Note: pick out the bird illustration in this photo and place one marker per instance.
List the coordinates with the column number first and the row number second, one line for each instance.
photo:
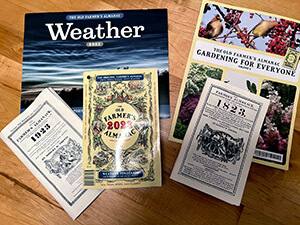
column 214, row 27
column 262, row 29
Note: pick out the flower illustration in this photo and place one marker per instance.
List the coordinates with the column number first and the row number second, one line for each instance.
column 276, row 128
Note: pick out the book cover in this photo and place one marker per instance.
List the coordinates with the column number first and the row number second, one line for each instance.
column 121, row 138
column 47, row 138
column 59, row 47
column 217, row 150
column 252, row 50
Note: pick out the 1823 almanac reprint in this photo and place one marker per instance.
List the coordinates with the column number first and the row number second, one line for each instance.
column 218, row 147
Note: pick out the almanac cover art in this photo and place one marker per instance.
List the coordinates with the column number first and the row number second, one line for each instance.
column 59, row 47
column 121, row 141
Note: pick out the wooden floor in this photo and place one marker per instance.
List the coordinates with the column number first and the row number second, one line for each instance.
column 271, row 196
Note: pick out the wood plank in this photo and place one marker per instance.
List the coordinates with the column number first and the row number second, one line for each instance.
column 10, row 84
column 254, row 217
column 274, row 192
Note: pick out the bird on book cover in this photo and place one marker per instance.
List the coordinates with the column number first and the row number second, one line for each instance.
column 214, row 27
column 262, row 29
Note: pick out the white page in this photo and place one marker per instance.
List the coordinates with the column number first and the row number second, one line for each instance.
column 47, row 138
column 218, row 147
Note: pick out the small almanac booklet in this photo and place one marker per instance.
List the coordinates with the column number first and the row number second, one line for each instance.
column 47, row 138
column 218, row 147
column 256, row 51
column 121, row 138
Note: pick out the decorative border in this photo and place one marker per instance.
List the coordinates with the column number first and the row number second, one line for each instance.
column 180, row 171
column 70, row 203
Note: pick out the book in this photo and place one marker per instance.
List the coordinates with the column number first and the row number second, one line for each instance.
column 219, row 144
column 252, row 50
column 59, row 47
column 121, row 137
column 47, row 138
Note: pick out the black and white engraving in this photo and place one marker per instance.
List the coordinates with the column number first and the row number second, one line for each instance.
column 64, row 159
column 219, row 145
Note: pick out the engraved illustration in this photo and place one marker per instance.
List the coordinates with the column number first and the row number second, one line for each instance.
column 64, row 159
column 101, row 159
column 136, row 86
column 101, row 88
column 219, row 145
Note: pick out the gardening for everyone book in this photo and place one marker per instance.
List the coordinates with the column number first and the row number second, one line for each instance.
column 252, row 50
column 121, row 137
column 59, row 47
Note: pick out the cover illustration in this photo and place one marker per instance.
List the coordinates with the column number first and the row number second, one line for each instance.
column 59, row 47
column 252, row 50
column 121, row 143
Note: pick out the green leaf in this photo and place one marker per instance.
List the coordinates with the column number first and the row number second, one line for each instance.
column 249, row 85
column 253, row 88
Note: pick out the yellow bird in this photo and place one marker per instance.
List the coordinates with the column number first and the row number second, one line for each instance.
column 262, row 29
column 214, row 27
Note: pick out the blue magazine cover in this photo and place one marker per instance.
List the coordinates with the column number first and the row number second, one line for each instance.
column 59, row 47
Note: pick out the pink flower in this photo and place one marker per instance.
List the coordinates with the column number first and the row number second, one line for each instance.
column 274, row 135
column 286, row 119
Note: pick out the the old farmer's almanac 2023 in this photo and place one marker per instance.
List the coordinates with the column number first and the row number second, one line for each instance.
column 121, row 141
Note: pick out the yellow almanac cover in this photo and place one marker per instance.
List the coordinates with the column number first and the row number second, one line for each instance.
column 121, row 139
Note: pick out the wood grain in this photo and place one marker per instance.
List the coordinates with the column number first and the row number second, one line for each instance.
column 271, row 196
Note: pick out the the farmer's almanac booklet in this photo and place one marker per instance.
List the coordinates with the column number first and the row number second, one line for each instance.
column 252, row 50
column 121, row 139
column 59, row 47
column 216, row 153
column 47, row 138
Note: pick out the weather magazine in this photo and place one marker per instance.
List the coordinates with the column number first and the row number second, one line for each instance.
column 59, row 47
column 252, row 50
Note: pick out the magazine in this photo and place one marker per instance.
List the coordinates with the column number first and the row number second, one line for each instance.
column 59, row 47
column 121, row 138
column 218, row 147
column 47, row 138
column 252, row 50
